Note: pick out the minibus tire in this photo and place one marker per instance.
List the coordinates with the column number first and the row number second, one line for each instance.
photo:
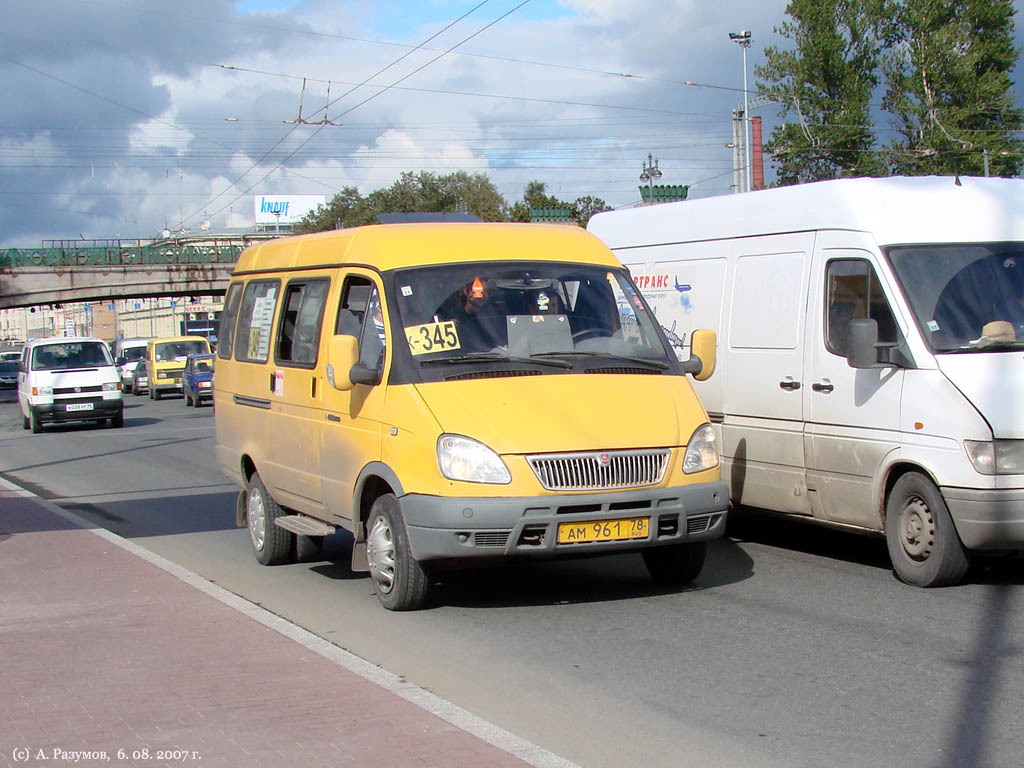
column 308, row 548
column 25, row 422
column 37, row 425
column 117, row 421
column 675, row 564
column 923, row 543
column 398, row 578
column 260, row 513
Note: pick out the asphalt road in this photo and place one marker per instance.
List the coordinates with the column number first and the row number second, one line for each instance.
column 795, row 647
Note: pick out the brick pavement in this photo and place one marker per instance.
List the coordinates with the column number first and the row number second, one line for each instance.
column 102, row 651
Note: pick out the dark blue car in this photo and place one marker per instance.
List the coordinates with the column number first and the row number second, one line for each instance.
column 197, row 380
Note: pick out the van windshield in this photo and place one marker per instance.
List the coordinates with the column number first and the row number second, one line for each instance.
column 131, row 354
column 965, row 297
column 179, row 350
column 65, row 356
column 551, row 314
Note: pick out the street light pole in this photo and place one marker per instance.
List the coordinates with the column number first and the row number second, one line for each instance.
column 649, row 173
column 743, row 38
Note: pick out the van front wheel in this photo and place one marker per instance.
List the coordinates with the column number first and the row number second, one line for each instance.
column 399, row 579
column 676, row 564
column 271, row 545
column 923, row 544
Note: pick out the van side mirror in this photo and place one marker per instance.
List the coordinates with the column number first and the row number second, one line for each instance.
column 118, row 361
column 865, row 351
column 342, row 355
column 702, row 354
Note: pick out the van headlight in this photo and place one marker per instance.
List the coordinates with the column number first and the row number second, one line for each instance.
column 463, row 459
column 701, row 451
column 42, row 391
column 110, row 386
column 996, row 457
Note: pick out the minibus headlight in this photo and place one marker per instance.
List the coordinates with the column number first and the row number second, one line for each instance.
column 463, row 459
column 43, row 391
column 996, row 457
column 701, row 451
column 110, row 386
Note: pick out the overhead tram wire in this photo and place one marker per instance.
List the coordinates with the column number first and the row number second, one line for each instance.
column 320, row 127
column 131, row 109
column 368, row 99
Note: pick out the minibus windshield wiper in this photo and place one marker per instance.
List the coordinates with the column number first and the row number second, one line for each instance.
column 490, row 357
column 642, row 361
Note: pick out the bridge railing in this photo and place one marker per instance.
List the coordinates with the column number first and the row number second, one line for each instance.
column 118, row 255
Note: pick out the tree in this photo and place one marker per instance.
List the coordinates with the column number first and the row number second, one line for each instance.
column 949, row 89
column 422, row 192
column 534, row 196
column 826, row 83
column 587, row 206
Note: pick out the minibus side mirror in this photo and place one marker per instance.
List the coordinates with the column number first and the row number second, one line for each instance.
column 342, row 354
column 360, row 374
column 702, row 354
column 118, row 361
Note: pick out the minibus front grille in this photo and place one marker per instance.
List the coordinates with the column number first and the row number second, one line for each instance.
column 600, row 471
column 490, row 375
column 490, row 538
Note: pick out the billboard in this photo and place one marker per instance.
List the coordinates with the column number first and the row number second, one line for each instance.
column 284, row 209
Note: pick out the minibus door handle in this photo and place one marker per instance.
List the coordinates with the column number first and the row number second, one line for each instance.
column 822, row 386
column 271, row 381
column 788, row 384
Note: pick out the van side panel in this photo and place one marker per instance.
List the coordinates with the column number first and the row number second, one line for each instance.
column 758, row 309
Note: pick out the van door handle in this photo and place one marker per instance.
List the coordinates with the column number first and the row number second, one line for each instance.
column 822, row 386
column 789, row 384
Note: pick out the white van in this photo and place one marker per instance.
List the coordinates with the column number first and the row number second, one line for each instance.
column 128, row 353
column 870, row 368
column 68, row 379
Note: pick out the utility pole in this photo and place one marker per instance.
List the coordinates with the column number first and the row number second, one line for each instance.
column 743, row 39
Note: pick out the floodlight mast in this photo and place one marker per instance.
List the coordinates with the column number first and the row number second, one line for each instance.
column 743, row 38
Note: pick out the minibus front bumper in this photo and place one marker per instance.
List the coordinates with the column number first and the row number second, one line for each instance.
column 455, row 528
column 987, row 519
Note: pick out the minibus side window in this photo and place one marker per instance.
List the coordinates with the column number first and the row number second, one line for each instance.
column 853, row 292
column 298, row 338
column 255, row 321
column 353, row 305
column 227, row 321
column 372, row 340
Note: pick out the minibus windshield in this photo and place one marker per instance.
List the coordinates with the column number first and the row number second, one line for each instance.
column 965, row 297
column 130, row 354
column 65, row 356
column 179, row 350
column 551, row 314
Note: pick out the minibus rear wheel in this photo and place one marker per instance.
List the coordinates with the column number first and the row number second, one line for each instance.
column 675, row 564
column 399, row 579
column 272, row 545
column 923, row 544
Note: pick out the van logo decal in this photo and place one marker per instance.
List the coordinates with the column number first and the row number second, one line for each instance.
column 78, row 389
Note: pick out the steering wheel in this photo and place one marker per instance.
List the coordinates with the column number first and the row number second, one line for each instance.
column 587, row 333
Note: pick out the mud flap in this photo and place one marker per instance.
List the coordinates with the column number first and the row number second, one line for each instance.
column 240, row 510
column 359, row 562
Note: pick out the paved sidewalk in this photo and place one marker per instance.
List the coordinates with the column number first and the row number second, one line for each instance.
column 108, row 649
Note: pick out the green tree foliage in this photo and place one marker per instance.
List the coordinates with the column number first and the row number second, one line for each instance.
column 945, row 66
column 535, row 196
column 422, row 192
column 824, row 85
column 949, row 89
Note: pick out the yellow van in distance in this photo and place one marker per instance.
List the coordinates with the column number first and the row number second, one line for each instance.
column 454, row 392
column 165, row 361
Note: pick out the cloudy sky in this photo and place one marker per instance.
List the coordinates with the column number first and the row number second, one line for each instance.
column 123, row 117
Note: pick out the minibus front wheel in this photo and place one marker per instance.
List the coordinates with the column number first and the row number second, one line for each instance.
column 675, row 564
column 398, row 578
column 923, row 543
